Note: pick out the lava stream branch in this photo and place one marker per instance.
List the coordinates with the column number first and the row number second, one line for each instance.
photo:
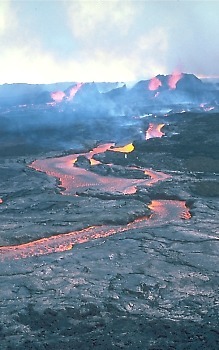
column 73, row 178
column 164, row 211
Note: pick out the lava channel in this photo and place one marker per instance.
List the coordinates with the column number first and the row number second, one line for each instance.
column 164, row 211
column 73, row 178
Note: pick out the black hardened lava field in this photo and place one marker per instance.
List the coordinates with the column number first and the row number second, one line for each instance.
column 109, row 215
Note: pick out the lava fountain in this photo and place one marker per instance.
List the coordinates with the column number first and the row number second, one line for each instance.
column 173, row 79
column 73, row 91
column 57, row 96
column 154, row 84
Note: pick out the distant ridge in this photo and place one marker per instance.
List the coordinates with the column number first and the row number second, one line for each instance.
column 162, row 90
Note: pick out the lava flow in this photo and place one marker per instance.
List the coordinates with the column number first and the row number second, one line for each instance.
column 163, row 212
column 154, row 130
column 74, row 178
column 162, row 208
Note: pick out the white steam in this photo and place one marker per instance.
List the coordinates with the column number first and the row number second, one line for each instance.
column 101, row 40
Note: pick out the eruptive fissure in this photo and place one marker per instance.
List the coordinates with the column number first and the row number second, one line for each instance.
column 59, row 96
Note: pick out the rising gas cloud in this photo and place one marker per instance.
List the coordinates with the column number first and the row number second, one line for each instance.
column 116, row 40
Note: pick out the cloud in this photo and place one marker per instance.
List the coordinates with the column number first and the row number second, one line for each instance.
column 6, row 19
column 2, row 18
column 99, row 18
column 96, row 40
column 155, row 41
column 108, row 47
column 113, row 43
column 23, row 64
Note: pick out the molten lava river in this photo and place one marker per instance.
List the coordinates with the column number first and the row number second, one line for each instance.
column 73, row 178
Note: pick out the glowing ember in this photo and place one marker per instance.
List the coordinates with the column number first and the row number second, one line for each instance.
column 163, row 212
column 1, row 201
column 73, row 91
column 57, row 96
column 125, row 149
column 173, row 79
column 154, row 84
column 154, row 130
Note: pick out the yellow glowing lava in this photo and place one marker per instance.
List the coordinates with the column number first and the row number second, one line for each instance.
column 94, row 162
column 124, row 149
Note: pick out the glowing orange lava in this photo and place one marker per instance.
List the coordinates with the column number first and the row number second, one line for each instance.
column 154, row 130
column 154, row 84
column 155, row 176
column 163, row 212
column 74, row 90
column 168, row 209
column 57, row 96
column 1, row 201
column 173, row 79
column 74, row 178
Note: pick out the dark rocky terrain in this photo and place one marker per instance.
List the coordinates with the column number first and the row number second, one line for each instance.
column 154, row 287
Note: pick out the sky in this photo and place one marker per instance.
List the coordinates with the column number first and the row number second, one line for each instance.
column 47, row 41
